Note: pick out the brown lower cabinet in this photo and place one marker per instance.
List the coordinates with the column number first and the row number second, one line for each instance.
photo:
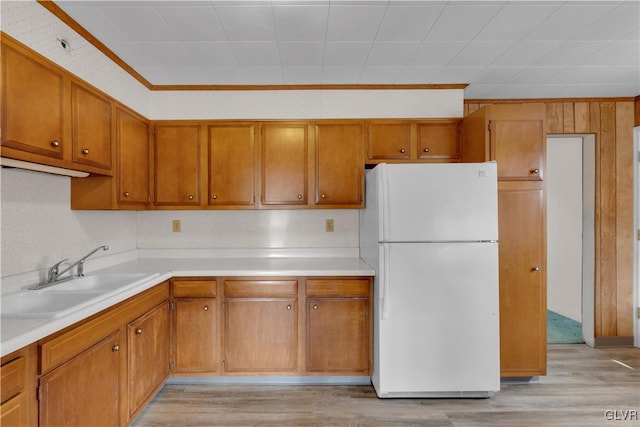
column 103, row 370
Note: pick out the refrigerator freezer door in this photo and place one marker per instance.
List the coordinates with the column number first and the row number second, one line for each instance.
column 439, row 335
column 438, row 202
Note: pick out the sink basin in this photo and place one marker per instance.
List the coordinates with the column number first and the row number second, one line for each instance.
column 100, row 283
column 28, row 304
column 65, row 297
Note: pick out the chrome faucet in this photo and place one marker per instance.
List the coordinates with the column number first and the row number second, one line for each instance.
column 54, row 273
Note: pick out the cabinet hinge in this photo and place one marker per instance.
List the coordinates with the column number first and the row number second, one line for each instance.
column 172, row 366
column 489, row 127
column 39, row 394
column 223, row 364
column 172, row 305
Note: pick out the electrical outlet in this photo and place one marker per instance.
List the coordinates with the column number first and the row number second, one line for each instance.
column 176, row 226
column 329, row 226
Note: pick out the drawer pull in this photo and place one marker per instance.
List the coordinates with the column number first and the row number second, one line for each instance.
column 426, row 150
column 206, row 308
column 214, row 196
column 138, row 331
column 299, row 196
column 190, row 196
column 315, row 306
column 535, row 171
column 535, row 269
column 402, row 150
column 289, row 307
column 115, row 348
column 85, row 151
column 55, row 144
column 127, row 194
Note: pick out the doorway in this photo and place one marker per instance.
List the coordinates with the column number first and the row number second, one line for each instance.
column 570, row 189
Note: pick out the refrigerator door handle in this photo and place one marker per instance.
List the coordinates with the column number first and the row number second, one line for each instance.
column 384, row 265
column 384, row 202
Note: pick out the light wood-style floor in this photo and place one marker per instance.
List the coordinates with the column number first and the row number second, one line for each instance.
column 584, row 387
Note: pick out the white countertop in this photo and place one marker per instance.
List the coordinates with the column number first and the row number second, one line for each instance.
column 19, row 332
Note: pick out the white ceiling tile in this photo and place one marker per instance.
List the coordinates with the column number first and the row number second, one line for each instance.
column 301, row 53
column 247, row 23
column 188, row 75
column 513, row 21
column 477, row 91
column 498, row 92
column 263, row 75
column 579, row 75
column 301, row 74
column 210, row 53
column 457, row 74
column 613, row 53
column 480, row 53
column 461, row 22
column 94, row 19
column 569, row 53
column 408, row 22
column 418, row 74
column 436, row 53
column 569, row 20
column 623, row 20
column 391, row 53
column 203, row 22
column 257, row 53
column 346, row 53
column 534, row 75
column 300, row 22
column 149, row 54
column 341, row 74
column 379, row 75
column 632, row 36
column 354, row 23
column 225, row 75
column 139, row 23
column 525, row 53
column 496, row 75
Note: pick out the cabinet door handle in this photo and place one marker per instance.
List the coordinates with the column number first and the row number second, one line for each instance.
column 138, row 331
column 299, row 196
column 289, row 307
column 115, row 348
column 323, row 196
column 535, row 269
column 127, row 194
column 315, row 306
column 205, row 308
column 214, row 196
column 85, row 151
column 190, row 196
column 402, row 150
column 535, row 171
column 55, row 144
column 426, row 150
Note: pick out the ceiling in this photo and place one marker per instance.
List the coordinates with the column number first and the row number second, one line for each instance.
column 501, row 49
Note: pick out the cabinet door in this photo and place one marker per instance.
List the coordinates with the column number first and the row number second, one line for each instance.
column 32, row 117
column 338, row 335
column 195, row 335
column 518, row 147
column 339, row 165
column 91, row 128
column 177, row 165
column 148, row 346
column 85, row 390
column 260, row 335
column 284, row 164
column 389, row 141
column 132, row 136
column 231, row 165
column 438, row 141
column 522, row 280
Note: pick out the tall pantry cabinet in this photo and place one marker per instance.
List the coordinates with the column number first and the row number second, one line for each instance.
column 513, row 135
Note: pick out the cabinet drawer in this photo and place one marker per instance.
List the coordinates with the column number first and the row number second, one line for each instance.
column 338, row 288
column 12, row 378
column 194, row 288
column 260, row 288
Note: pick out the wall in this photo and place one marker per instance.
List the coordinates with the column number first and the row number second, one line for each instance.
column 563, row 175
column 39, row 229
column 611, row 121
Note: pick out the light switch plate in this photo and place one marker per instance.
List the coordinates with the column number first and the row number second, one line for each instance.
column 329, row 226
column 176, row 226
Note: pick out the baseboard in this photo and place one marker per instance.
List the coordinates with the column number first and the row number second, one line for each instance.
column 613, row 342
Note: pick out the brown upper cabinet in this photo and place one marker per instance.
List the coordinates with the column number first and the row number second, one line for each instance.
column 339, row 164
column 232, row 161
column 129, row 187
column 51, row 118
column 285, row 164
column 177, row 164
column 511, row 134
column 413, row 141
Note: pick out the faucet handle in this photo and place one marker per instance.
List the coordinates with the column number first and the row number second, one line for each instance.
column 56, row 266
column 53, row 271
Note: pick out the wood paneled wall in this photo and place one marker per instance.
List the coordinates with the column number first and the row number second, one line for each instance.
column 611, row 120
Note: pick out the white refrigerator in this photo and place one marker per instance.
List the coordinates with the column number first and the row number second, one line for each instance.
column 430, row 231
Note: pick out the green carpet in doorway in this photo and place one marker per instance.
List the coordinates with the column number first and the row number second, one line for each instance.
column 563, row 330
